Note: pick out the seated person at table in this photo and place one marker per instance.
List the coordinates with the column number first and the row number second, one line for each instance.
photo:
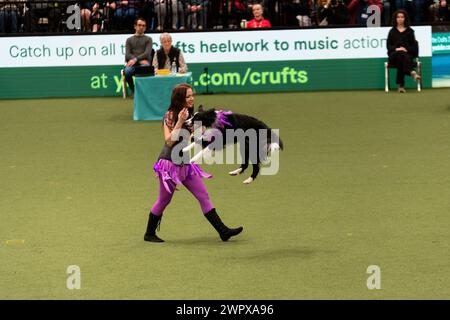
column 138, row 51
column 168, row 54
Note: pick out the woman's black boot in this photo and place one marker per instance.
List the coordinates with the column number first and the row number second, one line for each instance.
column 153, row 222
column 224, row 232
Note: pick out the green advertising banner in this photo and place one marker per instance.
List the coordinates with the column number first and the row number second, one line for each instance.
column 271, row 76
column 441, row 59
column 240, row 61
column 441, row 43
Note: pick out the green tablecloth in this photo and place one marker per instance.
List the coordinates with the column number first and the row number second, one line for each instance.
column 152, row 95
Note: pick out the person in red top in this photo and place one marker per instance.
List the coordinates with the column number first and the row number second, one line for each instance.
column 258, row 22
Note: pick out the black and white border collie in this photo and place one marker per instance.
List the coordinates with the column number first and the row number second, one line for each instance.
column 255, row 150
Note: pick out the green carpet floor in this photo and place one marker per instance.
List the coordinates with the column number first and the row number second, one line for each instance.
column 364, row 180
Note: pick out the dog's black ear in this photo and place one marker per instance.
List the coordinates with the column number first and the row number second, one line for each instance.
column 200, row 108
column 211, row 111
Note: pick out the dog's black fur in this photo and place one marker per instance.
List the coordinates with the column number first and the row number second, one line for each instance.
column 237, row 121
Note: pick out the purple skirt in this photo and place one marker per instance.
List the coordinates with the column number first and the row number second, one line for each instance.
column 170, row 173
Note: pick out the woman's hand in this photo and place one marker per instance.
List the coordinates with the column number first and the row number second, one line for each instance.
column 183, row 115
column 171, row 136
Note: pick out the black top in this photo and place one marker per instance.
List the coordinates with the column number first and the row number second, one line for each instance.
column 182, row 158
column 174, row 55
column 406, row 39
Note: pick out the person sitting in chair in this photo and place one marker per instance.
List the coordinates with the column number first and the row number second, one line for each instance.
column 168, row 54
column 138, row 51
column 402, row 48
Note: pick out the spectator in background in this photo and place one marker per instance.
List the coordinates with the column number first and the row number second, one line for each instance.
column 444, row 10
column 418, row 9
column 250, row 4
column 333, row 12
column 227, row 13
column 388, row 5
column 138, row 51
column 405, row 5
column 125, row 12
column 9, row 16
column 148, row 12
column 91, row 16
column 86, row 7
column 176, row 7
column 108, row 15
column 301, row 11
column 217, row 14
column 439, row 11
column 317, row 14
column 96, row 18
column 402, row 48
column 168, row 54
column 178, row 14
column 197, row 11
column 235, row 13
column 258, row 21
column 358, row 10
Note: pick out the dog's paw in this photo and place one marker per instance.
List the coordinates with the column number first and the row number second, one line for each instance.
column 248, row 180
column 274, row 147
column 194, row 159
column 197, row 157
column 235, row 172
column 189, row 147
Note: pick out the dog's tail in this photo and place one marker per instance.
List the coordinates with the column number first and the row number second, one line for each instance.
column 275, row 142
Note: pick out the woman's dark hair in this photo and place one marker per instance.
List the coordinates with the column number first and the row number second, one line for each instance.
column 405, row 14
column 178, row 100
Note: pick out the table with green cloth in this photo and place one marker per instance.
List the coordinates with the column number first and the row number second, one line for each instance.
column 152, row 95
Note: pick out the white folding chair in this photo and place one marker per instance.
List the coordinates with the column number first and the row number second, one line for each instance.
column 387, row 66
column 122, row 80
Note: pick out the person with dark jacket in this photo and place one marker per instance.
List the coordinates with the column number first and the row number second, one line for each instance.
column 168, row 54
column 402, row 48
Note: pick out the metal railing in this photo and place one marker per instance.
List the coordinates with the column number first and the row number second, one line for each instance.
column 69, row 16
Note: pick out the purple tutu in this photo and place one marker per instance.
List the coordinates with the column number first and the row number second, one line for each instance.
column 168, row 172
